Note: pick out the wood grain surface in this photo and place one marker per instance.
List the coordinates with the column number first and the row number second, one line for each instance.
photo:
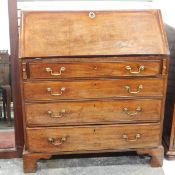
column 78, row 96
column 106, row 111
column 75, row 33
column 92, row 137
column 94, row 69
column 92, row 89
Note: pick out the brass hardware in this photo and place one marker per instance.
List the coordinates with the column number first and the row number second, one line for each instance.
column 54, row 94
column 137, row 136
column 139, row 88
column 141, row 68
column 24, row 73
column 137, row 110
column 62, row 69
column 57, row 141
column 61, row 113
column 91, row 15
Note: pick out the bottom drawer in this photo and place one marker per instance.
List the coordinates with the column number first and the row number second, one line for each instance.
column 72, row 139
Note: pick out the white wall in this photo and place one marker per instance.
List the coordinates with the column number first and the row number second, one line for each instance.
column 168, row 10
column 165, row 5
column 4, row 25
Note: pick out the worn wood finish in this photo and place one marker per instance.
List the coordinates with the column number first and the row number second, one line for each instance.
column 88, row 108
column 94, row 59
column 94, row 69
column 157, row 155
column 79, row 112
column 92, row 89
column 30, row 161
column 92, row 137
column 105, row 34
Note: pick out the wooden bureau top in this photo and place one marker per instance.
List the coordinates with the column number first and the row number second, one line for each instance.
column 84, row 33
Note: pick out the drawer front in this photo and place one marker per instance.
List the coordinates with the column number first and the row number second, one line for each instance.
column 65, row 139
column 94, row 69
column 50, row 114
column 48, row 90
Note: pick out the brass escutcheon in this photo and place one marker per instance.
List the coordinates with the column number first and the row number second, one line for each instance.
column 91, row 15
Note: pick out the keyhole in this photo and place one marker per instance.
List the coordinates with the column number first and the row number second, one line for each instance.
column 95, row 67
column 91, row 15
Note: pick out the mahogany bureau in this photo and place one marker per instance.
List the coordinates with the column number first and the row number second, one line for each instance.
column 92, row 82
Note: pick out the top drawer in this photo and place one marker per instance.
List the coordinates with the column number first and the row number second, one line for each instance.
column 94, row 69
